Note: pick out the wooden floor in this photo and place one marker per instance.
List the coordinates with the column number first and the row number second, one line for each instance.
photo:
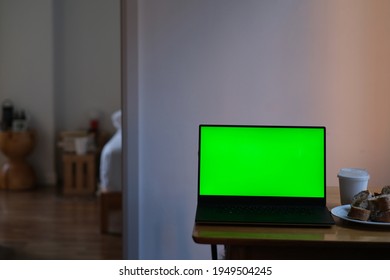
column 44, row 225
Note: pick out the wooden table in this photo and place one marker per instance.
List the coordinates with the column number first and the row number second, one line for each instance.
column 345, row 240
column 79, row 173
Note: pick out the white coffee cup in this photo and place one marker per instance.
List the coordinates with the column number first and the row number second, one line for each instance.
column 351, row 182
column 81, row 145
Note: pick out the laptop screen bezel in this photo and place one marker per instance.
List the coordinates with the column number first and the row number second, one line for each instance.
column 271, row 200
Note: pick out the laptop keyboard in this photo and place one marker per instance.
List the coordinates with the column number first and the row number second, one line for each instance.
column 267, row 209
column 264, row 214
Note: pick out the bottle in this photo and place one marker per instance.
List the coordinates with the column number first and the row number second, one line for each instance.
column 93, row 132
column 8, row 114
column 15, row 122
column 19, row 122
column 23, row 120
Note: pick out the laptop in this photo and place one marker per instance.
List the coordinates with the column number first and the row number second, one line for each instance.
column 262, row 175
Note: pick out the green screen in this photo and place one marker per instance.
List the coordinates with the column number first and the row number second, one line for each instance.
column 265, row 161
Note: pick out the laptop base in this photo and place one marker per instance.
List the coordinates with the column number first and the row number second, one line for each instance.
column 287, row 216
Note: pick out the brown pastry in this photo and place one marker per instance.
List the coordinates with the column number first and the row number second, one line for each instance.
column 380, row 203
column 385, row 190
column 383, row 217
column 367, row 206
column 358, row 213
column 361, row 199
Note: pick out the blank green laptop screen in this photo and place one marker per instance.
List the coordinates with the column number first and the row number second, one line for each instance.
column 262, row 161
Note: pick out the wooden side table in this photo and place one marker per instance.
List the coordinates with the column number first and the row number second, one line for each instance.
column 79, row 173
column 17, row 173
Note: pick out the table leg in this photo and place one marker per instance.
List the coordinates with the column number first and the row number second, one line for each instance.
column 214, row 253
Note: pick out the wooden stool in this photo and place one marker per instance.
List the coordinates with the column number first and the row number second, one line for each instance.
column 17, row 173
column 79, row 174
column 109, row 203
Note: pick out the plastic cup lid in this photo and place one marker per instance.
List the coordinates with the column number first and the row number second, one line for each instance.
column 356, row 173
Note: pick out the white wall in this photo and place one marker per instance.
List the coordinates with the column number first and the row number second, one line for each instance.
column 26, row 72
column 253, row 62
column 130, row 116
column 60, row 59
column 87, row 49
